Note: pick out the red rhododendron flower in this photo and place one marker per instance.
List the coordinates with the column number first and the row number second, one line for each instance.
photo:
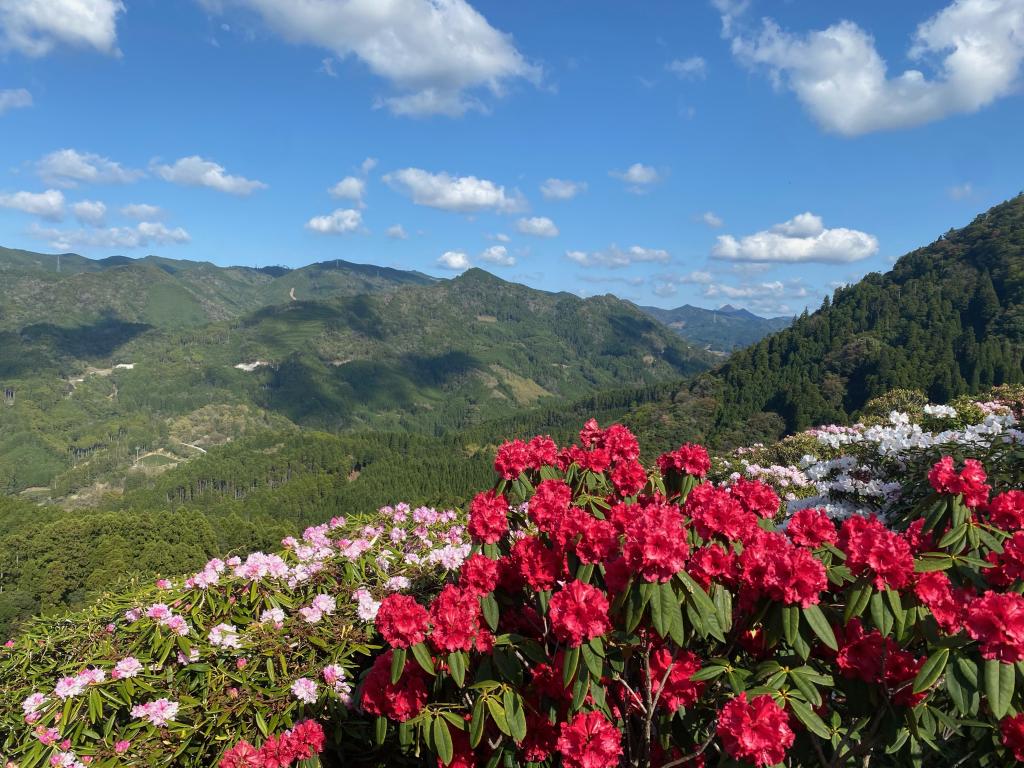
column 488, row 517
column 242, row 755
column 713, row 563
column 943, row 476
column 598, row 542
column 396, row 701
column 629, row 478
column 590, row 434
column 578, row 612
column 871, row 547
column 513, row 457
column 307, row 739
column 276, row 752
column 655, row 542
column 918, row 539
column 996, row 621
column 621, row 444
column 1011, row 733
column 772, row 566
column 679, row 690
column 1006, row 511
column 688, row 459
column 757, row 730
column 536, row 564
column 949, row 608
column 541, row 738
column 547, row 680
column 589, row 741
column 543, row 452
column 754, row 496
column 479, row 574
column 616, row 575
column 812, row 528
column 455, row 614
column 717, row 513
column 873, row 658
column 1011, row 561
column 549, row 504
column 401, row 621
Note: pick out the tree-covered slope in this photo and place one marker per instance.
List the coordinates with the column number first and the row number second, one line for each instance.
column 723, row 330
column 947, row 319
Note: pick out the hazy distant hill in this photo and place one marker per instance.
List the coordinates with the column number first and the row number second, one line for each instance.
column 723, row 330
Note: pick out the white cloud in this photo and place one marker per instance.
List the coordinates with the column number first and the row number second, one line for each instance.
column 638, row 176
column 975, row 47
column 464, row 194
column 562, row 189
column 14, row 98
column 36, row 27
column 767, row 297
column 143, row 234
column 350, row 187
column 614, row 257
column 194, row 171
column 712, row 219
column 48, row 204
column 433, row 52
column 454, row 260
column 89, row 211
column 667, row 284
column 693, row 68
column 730, row 11
column 397, row 232
column 142, row 211
column 801, row 239
column 368, row 165
column 539, row 226
column 340, row 222
column 69, row 168
column 501, row 237
column 961, row 191
column 499, row 255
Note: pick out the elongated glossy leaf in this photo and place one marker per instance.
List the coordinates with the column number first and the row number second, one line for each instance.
column 931, row 671
column 443, row 740
column 570, row 663
column 422, row 656
column 397, row 664
column 476, row 725
column 999, row 684
column 807, row 716
column 818, row 623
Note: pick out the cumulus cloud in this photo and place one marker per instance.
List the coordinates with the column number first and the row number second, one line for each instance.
column 498, row 255
column 668, row 283
column 141, row 211
column 437, row 54
column 463, row 194
column 562, row 189
column 351, row 188
column 68, row 168
column 89, row 211
column 141, row 235
column 730, row 10
column 397, row 232
column 614, row 257
column 638, row 176
column 194, row 171
column 768, row 297
column 36, row 27
column 974, row 47
column 711, row 219
column 538, row 226
column 801, row 239
column 340, row 222
column 693, row 68
column 14, row 98
column 453, row 260
column 47, row 205
column 368, row 165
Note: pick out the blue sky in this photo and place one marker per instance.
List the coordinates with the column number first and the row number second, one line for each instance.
column 747, row 152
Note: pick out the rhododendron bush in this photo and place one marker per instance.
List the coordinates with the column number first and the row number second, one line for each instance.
column 587, row 611
column 613, row 616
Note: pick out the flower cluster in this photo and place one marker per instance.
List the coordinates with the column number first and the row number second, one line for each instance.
column 302, row 742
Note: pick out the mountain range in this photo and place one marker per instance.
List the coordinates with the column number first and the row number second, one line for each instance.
column 724, row 330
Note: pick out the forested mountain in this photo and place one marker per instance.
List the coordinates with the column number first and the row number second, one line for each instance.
column 947, row 319
column 722, row 330
column 70, row 290
column 90, row 395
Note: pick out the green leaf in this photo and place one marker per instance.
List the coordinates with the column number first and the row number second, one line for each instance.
column 931, row 671
column 593, row 661
column 476, row 725
column 703, row 604
column 498, row 715
column 514, row 714
column 261, row 723
column 881, row 615
column 397, row 664
column 722, row 599
column 457, row 667
column 380, row 729
column 570, row 663
column 489, row 608
column 933, row 561
column 999, row 684
column 820, row 626
column 422, row 656
column 856, row 602
column 443, row 740
column 805, row 686
column 807, row 716
column 790, row 623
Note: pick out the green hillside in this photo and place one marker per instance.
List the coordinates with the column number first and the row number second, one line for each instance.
column 723, row 330
column 947, row 319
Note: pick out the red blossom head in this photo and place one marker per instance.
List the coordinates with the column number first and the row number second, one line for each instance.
column 399, row 701
column 579, row 612
column 401, row 621
column 589, row 741
column 488, row 517
column 757, row 730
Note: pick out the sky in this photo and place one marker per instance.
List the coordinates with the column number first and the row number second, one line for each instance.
column 759, row 153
